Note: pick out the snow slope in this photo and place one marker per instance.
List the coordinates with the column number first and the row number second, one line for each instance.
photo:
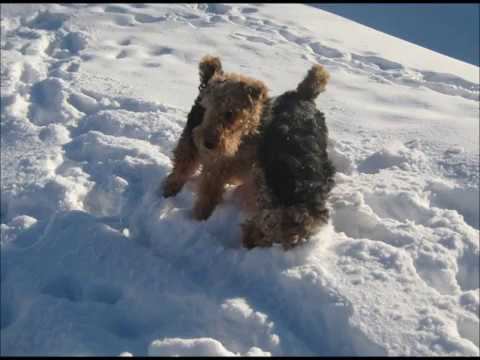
column 93, row 262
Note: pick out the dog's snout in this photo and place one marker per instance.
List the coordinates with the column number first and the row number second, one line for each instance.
column 211, row 140
column 209, row 144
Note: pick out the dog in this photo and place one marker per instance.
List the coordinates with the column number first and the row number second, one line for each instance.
column 276, row 148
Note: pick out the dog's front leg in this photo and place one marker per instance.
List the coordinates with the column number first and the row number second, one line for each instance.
column 185, row 163
column 185, row 155
column 210, row 192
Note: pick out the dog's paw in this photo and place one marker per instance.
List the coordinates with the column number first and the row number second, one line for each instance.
column 290, row 243
column 253, row 236
column 170, row 187
column 248, row 242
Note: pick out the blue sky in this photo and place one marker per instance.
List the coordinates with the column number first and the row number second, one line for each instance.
column 450, row 29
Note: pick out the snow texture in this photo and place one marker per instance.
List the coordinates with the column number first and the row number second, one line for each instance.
column 94, row 262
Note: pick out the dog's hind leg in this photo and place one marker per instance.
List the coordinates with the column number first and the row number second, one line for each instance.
column 288, row 226
column 263, row 226
column 261, row 229
column 299, row 223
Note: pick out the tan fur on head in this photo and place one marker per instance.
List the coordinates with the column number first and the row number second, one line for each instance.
column 209, row 66
column 226, row 138
column 314, row 83
column 233, row 107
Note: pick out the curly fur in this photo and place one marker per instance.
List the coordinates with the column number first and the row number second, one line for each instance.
column 293, row 173
column 209, row 65
column 224, row 146
column 293, row 149
column 314, row 83
column 277, row 149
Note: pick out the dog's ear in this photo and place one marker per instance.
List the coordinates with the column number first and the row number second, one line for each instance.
column 209, row 66
column 256, row 90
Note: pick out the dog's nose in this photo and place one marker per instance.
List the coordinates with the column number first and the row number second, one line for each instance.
column 209, row 144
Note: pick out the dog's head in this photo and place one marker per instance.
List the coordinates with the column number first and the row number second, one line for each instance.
column 233, row 106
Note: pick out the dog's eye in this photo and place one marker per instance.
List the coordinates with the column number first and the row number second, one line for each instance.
column 229, row 115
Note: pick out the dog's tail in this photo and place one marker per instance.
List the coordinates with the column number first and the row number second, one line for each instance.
column 314, row 83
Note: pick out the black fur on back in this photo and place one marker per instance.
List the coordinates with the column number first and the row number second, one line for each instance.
column 293, row 153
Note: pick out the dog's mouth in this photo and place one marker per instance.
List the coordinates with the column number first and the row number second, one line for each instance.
column 206, row 145
column 211, row 143
column 214, row 146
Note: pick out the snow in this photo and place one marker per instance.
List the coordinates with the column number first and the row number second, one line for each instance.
column 188, row 347
column 94, row 262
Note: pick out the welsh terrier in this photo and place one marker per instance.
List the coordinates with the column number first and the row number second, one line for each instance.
column 276, row 148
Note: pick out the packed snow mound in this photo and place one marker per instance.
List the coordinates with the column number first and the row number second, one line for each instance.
column 188, row 347
column 394, row 154
column 94, row 262
column 196, row 347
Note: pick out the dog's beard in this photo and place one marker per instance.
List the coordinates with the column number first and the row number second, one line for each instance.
column 229, row 146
